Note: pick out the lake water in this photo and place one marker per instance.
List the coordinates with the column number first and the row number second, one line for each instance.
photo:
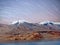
column 33, row 43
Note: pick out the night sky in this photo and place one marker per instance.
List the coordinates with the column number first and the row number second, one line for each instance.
column 34, row 11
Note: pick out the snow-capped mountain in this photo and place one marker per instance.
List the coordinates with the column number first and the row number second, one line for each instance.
column 49, row 22
column 31, row 26
column 46, row 23
column 51, row 25
column 23, row 26
column 18, row 22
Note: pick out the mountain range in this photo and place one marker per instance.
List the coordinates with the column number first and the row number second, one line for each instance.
column 23, row 26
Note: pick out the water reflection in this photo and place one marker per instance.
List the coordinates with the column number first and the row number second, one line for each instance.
column 34, row 43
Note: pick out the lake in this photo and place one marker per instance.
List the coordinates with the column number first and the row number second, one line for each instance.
column 32, row 43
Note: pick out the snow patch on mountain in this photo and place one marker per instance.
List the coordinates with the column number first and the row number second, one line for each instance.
column 46, row 23
column 19, row 21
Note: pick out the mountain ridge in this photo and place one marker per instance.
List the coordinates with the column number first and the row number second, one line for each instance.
column 27, row 26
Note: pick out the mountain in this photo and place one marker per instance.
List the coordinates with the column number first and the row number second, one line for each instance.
column 46, row 23
column 23, row 22
column 18, row 22
column 21, row 26
column 5, row 28
column 51, row 25
column 17, row 27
